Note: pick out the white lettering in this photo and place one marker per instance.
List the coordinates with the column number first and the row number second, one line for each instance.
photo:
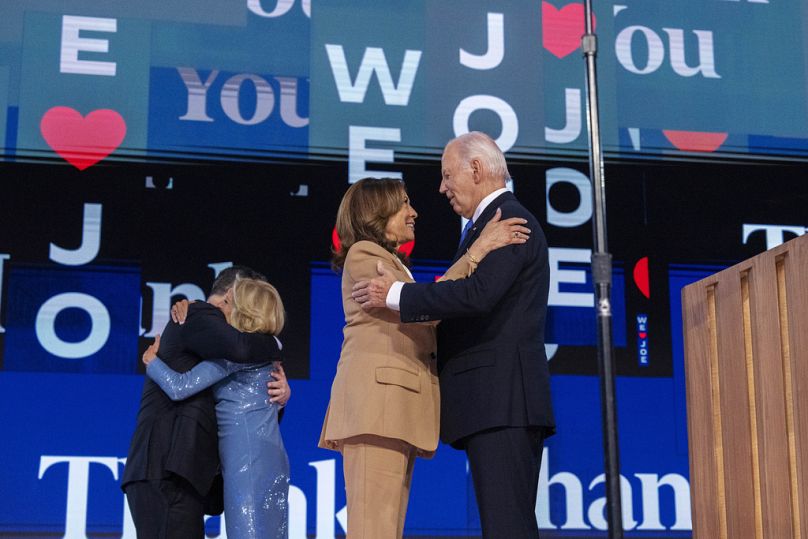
column 373, row 60
column 650, row 501
column 572, row 126
column 78, row 480
column 289, row 103
column 161, row 302
column 359, row 154
column 557, row 256
column 264, row 99
column 656, row 50
column 775, row 234
column 297, row 513
column 99, row 325
column 634, row 135
column 597, row 510
column 574, row 497
column 197, row 94
column 573, row 500
column 90, row 240
column 281, row 8
column 507, row 116
column 326, row 479
column 496, row 46
column 706, row 62
column 583, row 212
column 72, row 44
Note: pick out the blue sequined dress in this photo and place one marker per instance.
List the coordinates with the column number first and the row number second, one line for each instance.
column 255, row 467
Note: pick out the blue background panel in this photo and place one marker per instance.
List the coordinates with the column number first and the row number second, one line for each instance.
column 116, row 288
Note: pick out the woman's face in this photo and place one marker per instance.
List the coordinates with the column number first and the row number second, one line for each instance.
column 401, row 225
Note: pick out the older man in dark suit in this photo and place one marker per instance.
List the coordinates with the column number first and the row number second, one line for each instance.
column 172, row 477
column 494, row 380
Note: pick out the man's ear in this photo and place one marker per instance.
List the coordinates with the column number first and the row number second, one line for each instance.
column 476, row 170
column 228, row 296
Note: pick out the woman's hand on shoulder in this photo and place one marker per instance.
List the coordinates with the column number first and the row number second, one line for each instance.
column 499, row 233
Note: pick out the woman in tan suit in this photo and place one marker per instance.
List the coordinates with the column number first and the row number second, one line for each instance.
column 385, row 401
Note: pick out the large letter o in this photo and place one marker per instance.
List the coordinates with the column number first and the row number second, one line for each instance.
column 46, row 321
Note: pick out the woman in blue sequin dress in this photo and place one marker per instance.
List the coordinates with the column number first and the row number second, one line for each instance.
column 255, row 466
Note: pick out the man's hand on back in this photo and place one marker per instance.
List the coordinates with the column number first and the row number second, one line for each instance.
column 278, row 389
column 372, row 294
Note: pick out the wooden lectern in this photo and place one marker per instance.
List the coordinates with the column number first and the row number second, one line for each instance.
column 746, row 362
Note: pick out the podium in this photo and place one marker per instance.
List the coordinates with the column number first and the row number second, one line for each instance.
column 746, row 364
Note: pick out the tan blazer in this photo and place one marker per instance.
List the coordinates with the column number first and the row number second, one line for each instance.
column 386, row 382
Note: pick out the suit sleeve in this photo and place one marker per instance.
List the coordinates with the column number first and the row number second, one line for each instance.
column 207, row 334
column 179, row 386
column 474, row 296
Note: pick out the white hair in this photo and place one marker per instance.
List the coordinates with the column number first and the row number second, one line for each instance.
column 478, row 145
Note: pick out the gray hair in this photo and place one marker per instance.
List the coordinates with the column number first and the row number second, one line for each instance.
column 478, row 145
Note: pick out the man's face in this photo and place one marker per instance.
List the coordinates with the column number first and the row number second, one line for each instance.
column 457, row 183
column 223, row 303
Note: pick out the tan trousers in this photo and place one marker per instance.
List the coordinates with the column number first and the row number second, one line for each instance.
column 378, row 473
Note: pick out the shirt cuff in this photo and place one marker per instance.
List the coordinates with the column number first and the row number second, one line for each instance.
column 394, row 296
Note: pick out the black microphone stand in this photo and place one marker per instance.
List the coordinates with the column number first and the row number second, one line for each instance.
column 602, row 280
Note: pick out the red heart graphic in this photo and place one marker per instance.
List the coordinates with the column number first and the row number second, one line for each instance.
column 641, row 277
column 81, row 141
column 643, row 335
column 563, row 28
column 695, row 141
column 405, row 248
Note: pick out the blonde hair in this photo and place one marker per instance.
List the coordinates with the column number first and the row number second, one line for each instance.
column 363, row 214
column 257, row 307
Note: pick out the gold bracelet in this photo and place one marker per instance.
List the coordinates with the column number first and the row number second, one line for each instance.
column 471, row 257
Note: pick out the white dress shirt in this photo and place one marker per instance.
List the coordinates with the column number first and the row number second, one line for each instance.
column 394, row 294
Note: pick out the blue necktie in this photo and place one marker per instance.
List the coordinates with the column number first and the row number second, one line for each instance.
column 465, row 232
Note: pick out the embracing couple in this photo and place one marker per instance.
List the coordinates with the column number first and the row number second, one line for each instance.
column 493, row 396
column 207, row 435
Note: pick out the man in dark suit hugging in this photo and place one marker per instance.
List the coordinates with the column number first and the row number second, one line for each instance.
column 171, row 479
column 494, row 379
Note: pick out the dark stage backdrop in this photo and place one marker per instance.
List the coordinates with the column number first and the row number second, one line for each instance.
column 90, row 262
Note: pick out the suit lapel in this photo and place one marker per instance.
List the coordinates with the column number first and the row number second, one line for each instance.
column 400, row 273
column 480, row 223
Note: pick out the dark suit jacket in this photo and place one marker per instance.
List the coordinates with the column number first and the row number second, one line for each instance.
column 181, row 437
column 491, row 359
